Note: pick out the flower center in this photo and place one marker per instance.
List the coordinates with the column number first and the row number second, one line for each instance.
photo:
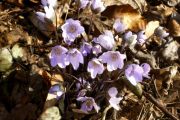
column 73, row 54
column 114, row 57
column 72, row 29
column 89, row 103
column 57, row 51
column 95, row 64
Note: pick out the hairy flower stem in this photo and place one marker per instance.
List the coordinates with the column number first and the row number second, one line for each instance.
column 105, row 112
column 91, row 20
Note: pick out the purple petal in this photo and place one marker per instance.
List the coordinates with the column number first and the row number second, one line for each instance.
column 114, row 102
column 119, row 26
column 146, row 67
column 112, row 92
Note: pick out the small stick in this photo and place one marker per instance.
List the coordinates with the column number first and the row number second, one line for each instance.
column 161, row 107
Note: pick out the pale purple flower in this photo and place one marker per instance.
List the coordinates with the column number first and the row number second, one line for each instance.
column 130, row 38
column 141, row 37
column 58, row 56
column 160, row 32
column 135, row 73
column 96, row 49
column 119, row 26
column 56, row 90
column 74, row 57
column 114, row 101
column 95, row 67
column 71, row 30
column 86, row 48
column 52, row 3
column 114, row 60
column 106, row 40
column 146, row 67
column 83, row 3
column 88, row 104
column 97, row 6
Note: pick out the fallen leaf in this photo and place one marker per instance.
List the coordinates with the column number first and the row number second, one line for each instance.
column 128, row 15
column 51, row 113
column 164, row 78
column 150, row 28
column 170, row 51
column 136, row 4
column 174, row 24
column 19, row 52
column 6, row 59
column 46, row 27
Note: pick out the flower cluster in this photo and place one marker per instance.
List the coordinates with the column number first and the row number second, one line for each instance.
column 96, row 5
column 98, row 55
column 62, row 57
column 135, row 73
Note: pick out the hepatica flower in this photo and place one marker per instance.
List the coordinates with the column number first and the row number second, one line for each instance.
column 75, row 58
column 51, row 3
column 71, row 30
column 106, row 40
column 160, row 32
column 114, row 101
column 130, row 38
column 146, row 67
column 119, row 26
column 86, row 48
column 141, row 37
column 114, row 60
column 95, row 67
column 88, row 104
column 96, row 49
column 135, row 73
column 58, row 56
column 97, row 6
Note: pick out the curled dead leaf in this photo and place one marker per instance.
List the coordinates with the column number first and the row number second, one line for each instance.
column 46, row 27
column 128, row 15
column 174, row 24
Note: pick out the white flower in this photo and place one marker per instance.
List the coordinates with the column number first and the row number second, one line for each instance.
column 52, row 3
column 75, row 58
column 106, row 40
column 97, row 6
column 114, row 101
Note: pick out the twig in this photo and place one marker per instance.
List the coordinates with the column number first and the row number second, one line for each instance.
column 161, row 107
column 150, row 58
column 105, row 112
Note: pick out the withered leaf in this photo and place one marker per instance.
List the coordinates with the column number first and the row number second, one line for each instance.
column 128, row 15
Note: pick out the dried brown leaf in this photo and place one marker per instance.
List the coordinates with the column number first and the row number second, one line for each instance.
column 136, row 4
column 150, row 27
column 128, row 15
